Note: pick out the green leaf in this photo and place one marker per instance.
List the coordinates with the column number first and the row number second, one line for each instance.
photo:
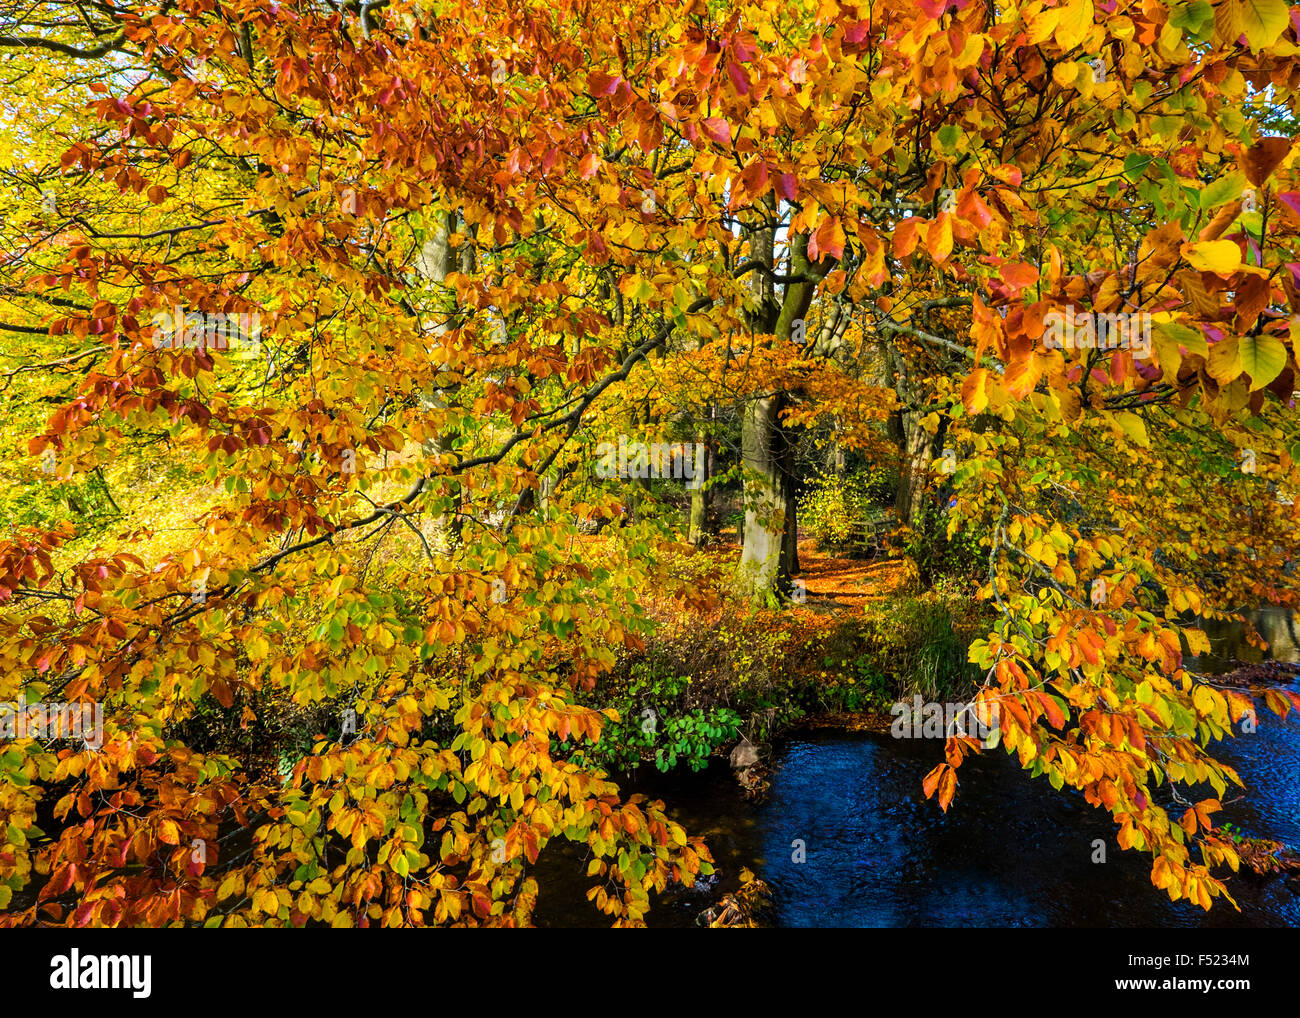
column 1135, row 165
column 1263, row 358
column 948, row 136
column 1194, row 17
column 1223, row 190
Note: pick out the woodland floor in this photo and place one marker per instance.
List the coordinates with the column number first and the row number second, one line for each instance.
column 837, row 583
column 836, row 586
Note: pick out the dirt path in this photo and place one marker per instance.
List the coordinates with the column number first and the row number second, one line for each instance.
column 839, row 585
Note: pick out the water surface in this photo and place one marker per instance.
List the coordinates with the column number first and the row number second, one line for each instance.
column 1011, row 851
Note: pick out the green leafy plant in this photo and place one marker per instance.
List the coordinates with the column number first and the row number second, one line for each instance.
column 657, row 723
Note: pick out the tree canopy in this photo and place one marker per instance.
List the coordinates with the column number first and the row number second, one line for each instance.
column 356, row 292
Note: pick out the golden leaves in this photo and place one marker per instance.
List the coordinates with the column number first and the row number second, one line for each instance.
column 942, row 780
column 973, row 391
column 1262, row 22
column 1133, row 427
column 1042, row 25
column 1224, row 362
column 938, row 237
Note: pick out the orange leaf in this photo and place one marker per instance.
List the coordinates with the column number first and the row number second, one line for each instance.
column 931, row 780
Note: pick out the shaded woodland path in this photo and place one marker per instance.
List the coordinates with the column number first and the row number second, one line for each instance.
column 836, row 584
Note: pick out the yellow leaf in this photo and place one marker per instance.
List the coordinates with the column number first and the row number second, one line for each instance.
column 1076, row 21
column 1197, row 641
column 1261, row 21
column 1218, row 256
column 1065, row 73
column 1225, row 360
column 1041, row 26
column 1134, row 427
column 1204, row 700
column 974, row 395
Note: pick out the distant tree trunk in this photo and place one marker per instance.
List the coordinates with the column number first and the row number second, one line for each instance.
column 916, row 446
column 770, row 553
column 639, row 493
column 790, row 539
column 700, row 528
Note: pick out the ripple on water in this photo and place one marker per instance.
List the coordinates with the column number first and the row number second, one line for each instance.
column 1011, row 851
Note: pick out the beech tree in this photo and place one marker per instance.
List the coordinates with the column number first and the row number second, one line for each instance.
column 477, row 238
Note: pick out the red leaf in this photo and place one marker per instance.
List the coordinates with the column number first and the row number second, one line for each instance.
column 738, row 78
column 221, row 690
column 718, row 130
column 827, row 240
column 755, row 178
column 600, row 83
column 856, row 31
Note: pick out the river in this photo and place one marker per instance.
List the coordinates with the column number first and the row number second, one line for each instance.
column 1010, row 852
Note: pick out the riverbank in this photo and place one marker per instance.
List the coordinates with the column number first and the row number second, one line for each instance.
column 857, row 641
column 845, row 837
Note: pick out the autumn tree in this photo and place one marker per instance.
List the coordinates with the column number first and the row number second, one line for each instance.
column 476, row 239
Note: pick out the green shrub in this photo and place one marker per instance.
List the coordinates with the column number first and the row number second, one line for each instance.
column 923, row 643
column 938, row 555
column 657, row 722
column 85, row 501
column 756, row 673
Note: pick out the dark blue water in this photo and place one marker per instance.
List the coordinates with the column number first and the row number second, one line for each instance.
column 1011, row 851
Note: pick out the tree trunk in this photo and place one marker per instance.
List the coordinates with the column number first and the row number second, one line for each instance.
column 769, row 510
column 698, row 526
column 770, row 553
column 918, row 453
